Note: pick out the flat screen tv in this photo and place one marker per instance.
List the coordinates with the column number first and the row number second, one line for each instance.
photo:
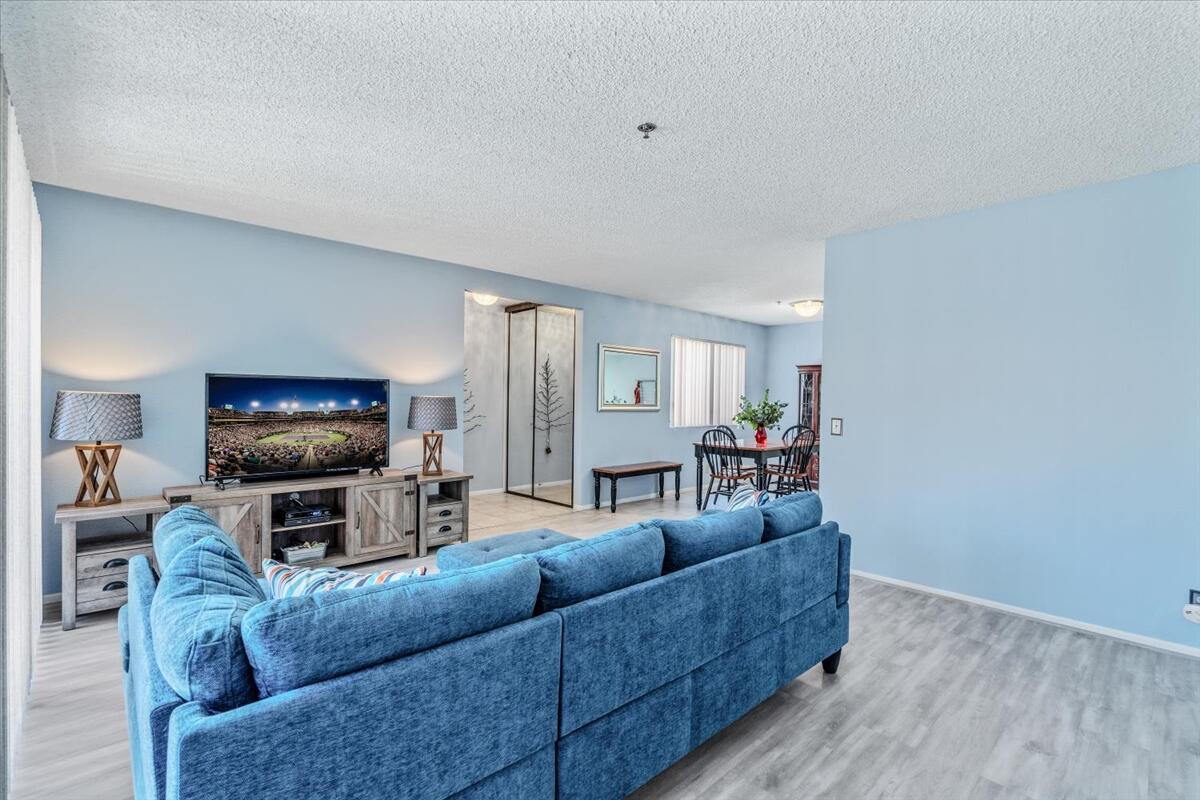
column 262, row 426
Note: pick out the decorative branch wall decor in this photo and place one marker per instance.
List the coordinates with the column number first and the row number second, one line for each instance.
column 472, row 418
column 549, row 406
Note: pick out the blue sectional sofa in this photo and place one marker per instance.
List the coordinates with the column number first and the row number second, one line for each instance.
column 579, row 670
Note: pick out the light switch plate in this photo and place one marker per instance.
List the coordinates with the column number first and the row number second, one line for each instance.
column 835, row 426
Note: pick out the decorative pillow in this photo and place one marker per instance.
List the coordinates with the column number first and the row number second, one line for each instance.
column 691, row 541
column 790, row 514
column 747, row 497
column 196, row 623
column 286, row 580
column 181, row 528
column 575, row 571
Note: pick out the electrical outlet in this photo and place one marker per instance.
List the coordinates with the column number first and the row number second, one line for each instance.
column 835, row 426
column 1194, row 597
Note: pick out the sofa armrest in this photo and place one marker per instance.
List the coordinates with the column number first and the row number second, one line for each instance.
column 149, row 699
column 426, row 725
column 843, row 583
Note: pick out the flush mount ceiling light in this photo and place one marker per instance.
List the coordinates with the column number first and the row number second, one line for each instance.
column 483, row 298
column 808, row 308
column 647, row 128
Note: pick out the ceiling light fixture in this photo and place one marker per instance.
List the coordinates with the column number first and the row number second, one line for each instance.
column 483, row 298
column 647, row 128
column 808, row 308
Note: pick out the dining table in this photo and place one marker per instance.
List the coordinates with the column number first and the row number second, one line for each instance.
column 761, row 455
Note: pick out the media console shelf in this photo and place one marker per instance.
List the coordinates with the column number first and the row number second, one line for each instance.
column 374, row 516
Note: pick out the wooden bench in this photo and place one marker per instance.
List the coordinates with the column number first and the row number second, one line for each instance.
column 659, row 468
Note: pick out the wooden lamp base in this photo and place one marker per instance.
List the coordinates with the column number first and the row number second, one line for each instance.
column 99, row 484
column 431, row 459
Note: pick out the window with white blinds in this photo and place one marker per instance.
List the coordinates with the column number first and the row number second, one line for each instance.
column 707, row 378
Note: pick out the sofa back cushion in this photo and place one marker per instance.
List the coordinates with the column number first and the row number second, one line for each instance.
column 196, row 617
column 791, row 514
column 181, row 528
column 298, row 641
column 575, row 571
column 690, row 541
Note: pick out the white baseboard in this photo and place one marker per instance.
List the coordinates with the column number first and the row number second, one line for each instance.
column 526, row 488
column 1065, row 622
column 623, row 500
column 486, row 491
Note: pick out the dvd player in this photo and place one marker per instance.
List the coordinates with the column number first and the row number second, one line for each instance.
column 305, row 515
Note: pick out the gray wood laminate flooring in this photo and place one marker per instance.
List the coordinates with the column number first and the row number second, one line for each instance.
column 935, row 698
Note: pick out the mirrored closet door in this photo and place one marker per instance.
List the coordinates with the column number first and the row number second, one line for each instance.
column 541, row 402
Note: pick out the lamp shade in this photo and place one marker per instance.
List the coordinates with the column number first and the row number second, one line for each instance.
column 430, row 412
column 96, row 416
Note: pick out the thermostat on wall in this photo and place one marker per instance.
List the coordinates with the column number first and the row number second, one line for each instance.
column 835, row 426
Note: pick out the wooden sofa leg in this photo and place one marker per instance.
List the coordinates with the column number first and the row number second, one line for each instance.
column 830, row 664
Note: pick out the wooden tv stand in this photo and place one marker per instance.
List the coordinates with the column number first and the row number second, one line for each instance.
column 374, row 516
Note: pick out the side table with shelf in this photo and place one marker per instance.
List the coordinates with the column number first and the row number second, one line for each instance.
column 445, row 508
column 95, row 567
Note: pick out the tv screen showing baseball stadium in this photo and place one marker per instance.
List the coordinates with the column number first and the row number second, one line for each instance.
column 266, row 425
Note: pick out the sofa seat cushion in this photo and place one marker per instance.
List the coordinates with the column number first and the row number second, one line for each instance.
column 791, row 514
column 196, row 617
column 585, row 568
column 297, row 641
column 494, row 548
column 691, row 541
column 181, row 528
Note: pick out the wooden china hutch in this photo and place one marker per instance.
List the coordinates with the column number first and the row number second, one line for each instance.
column 810, row 413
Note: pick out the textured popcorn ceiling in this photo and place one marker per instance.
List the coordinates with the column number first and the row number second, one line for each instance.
column 501, row 135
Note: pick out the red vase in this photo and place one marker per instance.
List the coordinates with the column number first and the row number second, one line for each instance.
column 760, row 436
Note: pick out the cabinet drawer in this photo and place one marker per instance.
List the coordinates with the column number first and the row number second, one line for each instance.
column 103, row 604
column 443, row 511
column 441, row 531
column 112, row 562
column 103, row 588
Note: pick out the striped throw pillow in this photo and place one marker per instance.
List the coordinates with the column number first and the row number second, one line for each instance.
column 747, row 497
column 288, row 581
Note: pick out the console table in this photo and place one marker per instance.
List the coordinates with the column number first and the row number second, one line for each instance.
column 660, row 468
column 374, row 516
column 399, row 513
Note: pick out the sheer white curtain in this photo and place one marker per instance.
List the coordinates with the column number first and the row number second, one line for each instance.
column 728, row 383
column 20, row 426
column 707, row 378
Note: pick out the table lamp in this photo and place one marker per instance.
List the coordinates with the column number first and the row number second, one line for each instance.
column 432, row 413
column 94, row 417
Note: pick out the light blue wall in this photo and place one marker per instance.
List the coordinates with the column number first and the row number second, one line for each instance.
column 1021, row 394
column 147, row 299
column 789, row 346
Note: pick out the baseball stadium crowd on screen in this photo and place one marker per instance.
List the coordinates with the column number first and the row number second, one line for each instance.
column 246, row 444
